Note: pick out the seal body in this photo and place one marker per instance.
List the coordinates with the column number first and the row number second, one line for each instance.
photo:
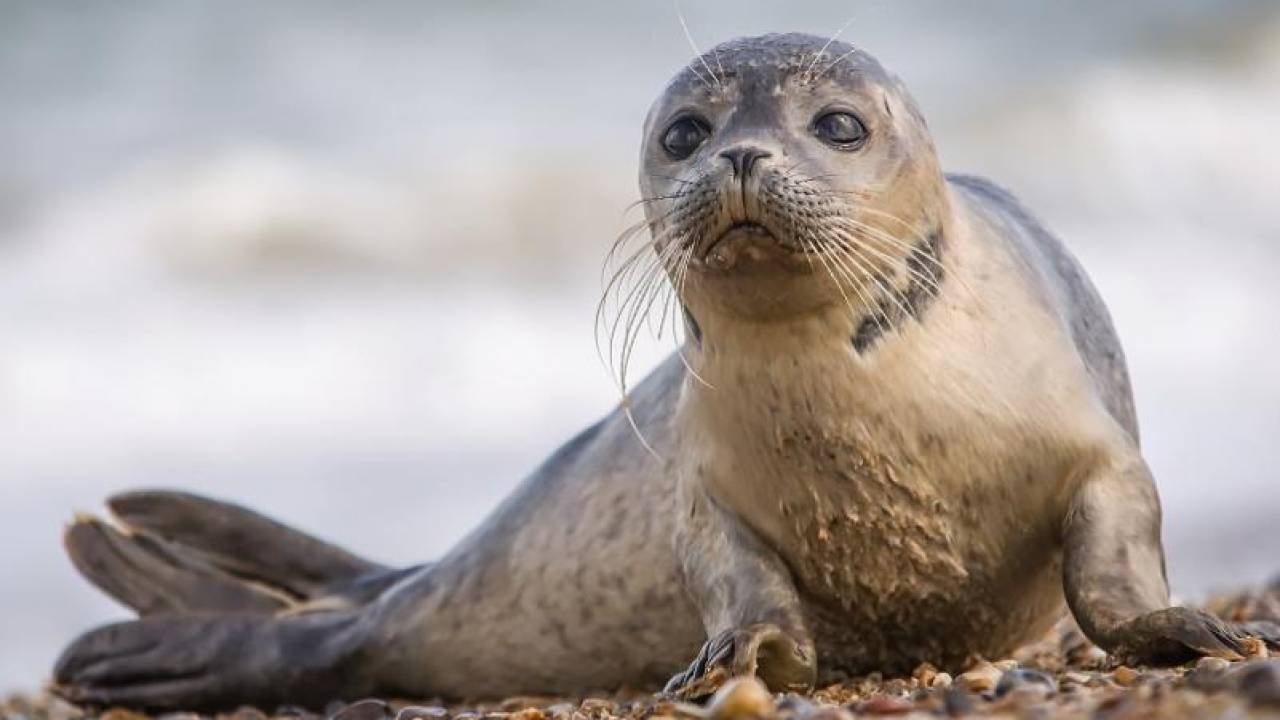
column 900, row 431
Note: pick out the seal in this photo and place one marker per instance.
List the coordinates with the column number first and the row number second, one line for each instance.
column 900, row 429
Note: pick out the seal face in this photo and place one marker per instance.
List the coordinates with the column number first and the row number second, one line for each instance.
column 788, row 159
column 901, row 431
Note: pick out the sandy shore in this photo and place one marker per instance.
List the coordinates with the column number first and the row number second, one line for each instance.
column 1062, row 676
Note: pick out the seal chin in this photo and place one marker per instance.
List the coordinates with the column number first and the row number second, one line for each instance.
column 746, row 242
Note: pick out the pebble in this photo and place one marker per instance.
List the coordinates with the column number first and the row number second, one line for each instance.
column 982, row 678
column 1209, row 674
column 957, row 702
column 422, row 712
column 829, row 712
column 1076, row 678
column 884, row 705
column 121, row 714
column 793, row 705
column 528, row 714
column 1213, row 664
column 924, row 674
column 941, row 680
column 1125, row 675
column 370, row 709
column 1259, row 682
column 592, row 705
column 1025, row 678
column 1255, row 649
column 743, row 697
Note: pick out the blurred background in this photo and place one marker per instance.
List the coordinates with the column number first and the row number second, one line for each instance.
column 340, row 262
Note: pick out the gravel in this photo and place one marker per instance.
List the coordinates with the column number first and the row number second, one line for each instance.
column 1061, row 676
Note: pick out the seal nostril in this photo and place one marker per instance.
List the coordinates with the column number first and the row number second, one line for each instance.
column 743, row 157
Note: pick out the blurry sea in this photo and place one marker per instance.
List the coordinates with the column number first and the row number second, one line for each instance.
column 341, row 264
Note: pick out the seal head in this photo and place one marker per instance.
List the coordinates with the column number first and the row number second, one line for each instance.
column 783, row 171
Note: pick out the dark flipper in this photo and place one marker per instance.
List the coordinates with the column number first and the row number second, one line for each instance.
column 1114, row 575
column 749, row 605
column 216, row 662
column 1175, row 635
column 242, row 542
column 154, row 577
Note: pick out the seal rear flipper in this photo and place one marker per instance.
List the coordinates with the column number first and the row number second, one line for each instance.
column 218, row 662
column 242, row 542
column 154, row 577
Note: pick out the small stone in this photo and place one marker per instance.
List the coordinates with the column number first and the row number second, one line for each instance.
column 592, row 705
column 1259, row 682
column 285, row 711
column 121, row 714
column 247, row 713
column 924, row 674
column 829, row 712
column 1005, row 665
column 980, row 679
column 941, row 680
column 423, row 712
column 1213, row 664
column 370, row 709
column 532, row 713
column 563, row 709
column 885, row 705
column 794, row 705
column 744, row 697
column 1255, row 649
column 956, row 702
column 1025, row 678
column 1076, row 678
column 1125, row 675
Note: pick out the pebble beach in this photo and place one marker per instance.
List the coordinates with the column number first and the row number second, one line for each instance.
column 1061, row 676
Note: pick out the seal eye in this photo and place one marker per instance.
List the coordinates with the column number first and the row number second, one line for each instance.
column 840, row 129
column 684, row 136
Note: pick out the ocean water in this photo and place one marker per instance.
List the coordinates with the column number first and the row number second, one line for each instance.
column 342, row 265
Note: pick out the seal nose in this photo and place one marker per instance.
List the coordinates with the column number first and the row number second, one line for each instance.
column 743, row 157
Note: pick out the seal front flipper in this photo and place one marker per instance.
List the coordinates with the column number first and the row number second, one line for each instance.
column 748, row 604
column 214, row 662
column 1114, row 576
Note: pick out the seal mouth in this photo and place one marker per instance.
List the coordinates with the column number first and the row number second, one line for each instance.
column 745, row 241
column 742, row 232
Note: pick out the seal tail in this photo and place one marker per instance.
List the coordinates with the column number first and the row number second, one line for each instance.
column 181, row 553
column 154, row 577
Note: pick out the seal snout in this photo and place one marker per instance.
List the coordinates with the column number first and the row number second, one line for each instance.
column 743, row 158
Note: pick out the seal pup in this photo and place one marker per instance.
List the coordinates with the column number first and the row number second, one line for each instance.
column 900, row 430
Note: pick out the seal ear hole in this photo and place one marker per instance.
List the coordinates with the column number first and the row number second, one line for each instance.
column 888, row 110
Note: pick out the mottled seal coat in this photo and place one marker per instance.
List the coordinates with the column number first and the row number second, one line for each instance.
column 901, row 431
